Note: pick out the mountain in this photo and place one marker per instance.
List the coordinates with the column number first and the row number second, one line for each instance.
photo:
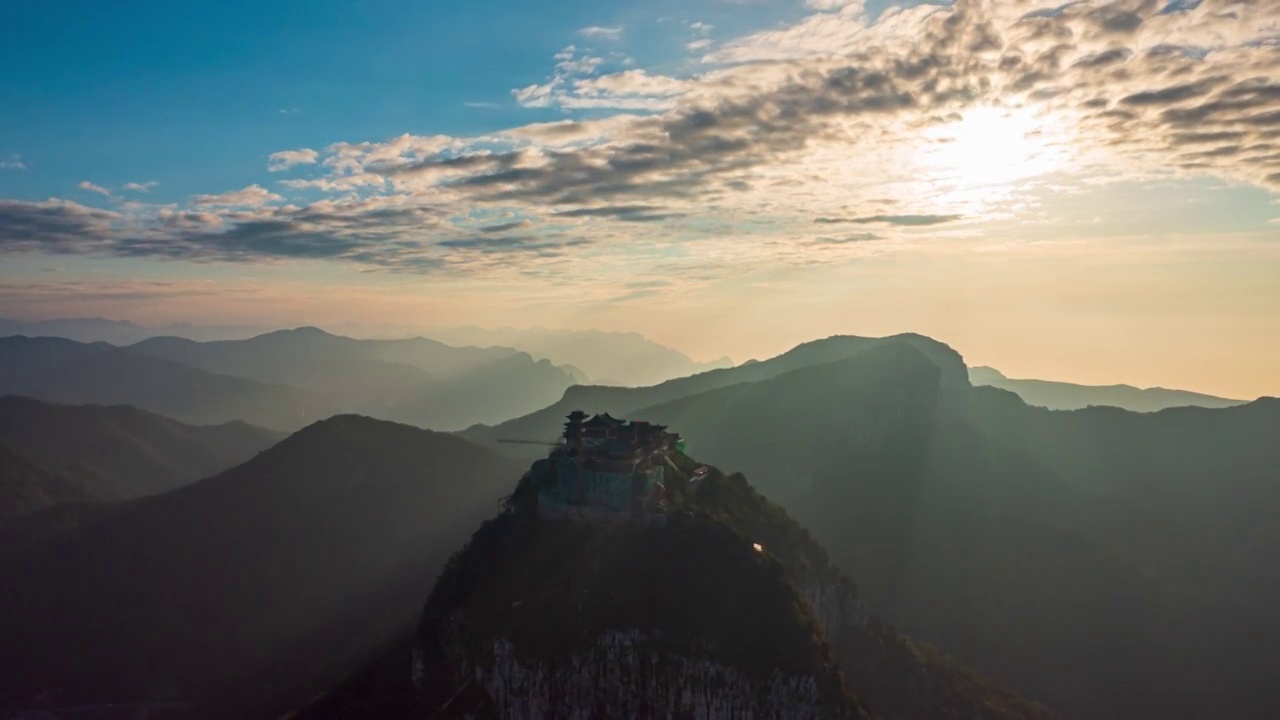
column 1068, row 396
column 64, row 371
column 1110, row 563
column 119, row 332
column 27, row 485
column 607, row 358
column 416, row 381
column 124, row 451
column 252, row 589
column 619, row 401
column 721, row 602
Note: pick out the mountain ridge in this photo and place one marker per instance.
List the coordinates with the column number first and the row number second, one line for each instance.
column 128, row 451
column 67, row 372
column 1057, row 395
column 282, row 571
column 419, row 381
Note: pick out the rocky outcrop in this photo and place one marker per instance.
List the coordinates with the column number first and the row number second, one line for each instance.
column 624, row 674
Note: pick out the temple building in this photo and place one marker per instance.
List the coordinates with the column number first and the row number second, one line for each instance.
column 608, row 465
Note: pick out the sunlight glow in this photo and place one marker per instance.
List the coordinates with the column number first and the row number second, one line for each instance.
column 991, row 146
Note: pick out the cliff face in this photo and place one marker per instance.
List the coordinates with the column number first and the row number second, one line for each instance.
column 622, row 674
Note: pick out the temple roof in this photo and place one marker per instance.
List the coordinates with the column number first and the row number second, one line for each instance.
column 603, row 420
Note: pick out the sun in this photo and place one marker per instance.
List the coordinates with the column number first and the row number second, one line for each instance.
column 992, row 145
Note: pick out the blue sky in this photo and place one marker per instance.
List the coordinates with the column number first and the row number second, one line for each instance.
column 727, row 176
column 194, row 96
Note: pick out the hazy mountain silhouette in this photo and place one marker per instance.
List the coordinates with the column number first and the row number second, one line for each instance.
column 64, row 371
column 539, row 618
column 620, row 401
column 606, row 358
column 418, row 381
column 126, row 452
column 27, row 485
column 1110, row 563
column 260, row 585
column 121, row 332
column 1068, row 396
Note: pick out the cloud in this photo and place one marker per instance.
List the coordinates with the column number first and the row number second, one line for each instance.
column 56, row 226
column 251, row 196
column 90, row 187
column 627, row 213
column 830, row 5
column 480, row 104
column 840, row 117
column 699, row 44
column 845, row 239
column 907, row 220
column 597, row 32
column 286, row 159
column 575, row 85
column 13, row 163
column 141, row 187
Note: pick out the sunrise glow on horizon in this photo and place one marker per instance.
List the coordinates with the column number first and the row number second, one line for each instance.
column 1088, row 192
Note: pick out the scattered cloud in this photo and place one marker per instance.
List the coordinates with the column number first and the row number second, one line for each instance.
column 141, row 187
column 13, row 163
column 90, row 187
column 251, row 196
column 286, row 159
column 577, row 85
column 699, row 44
column 597, row 32
column 879, row 123
column 831, row 5
column 481, row 104
column 290, row 111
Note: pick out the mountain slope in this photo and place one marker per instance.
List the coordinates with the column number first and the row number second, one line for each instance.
column 624, row 619
column 129, row 452
column 63, row 371
column 253, row 587
column 948, row 531
column 27, row 485
column 619, row 401
column 1111, row 563
column 417, row 381
column 1069, row 396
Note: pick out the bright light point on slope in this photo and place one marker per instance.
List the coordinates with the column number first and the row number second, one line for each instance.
column 991, row 145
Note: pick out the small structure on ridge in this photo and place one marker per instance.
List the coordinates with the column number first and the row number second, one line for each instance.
column 605, row 465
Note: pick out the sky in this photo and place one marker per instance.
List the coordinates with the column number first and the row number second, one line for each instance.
column 1086, row 191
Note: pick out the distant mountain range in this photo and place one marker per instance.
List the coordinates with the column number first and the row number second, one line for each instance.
column 1067, row 396
column 606, row 358
column 97, row 452
column 418, row 381
column 64, row 371
column 286, row 379
column 122, row 332
column 253, row 587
